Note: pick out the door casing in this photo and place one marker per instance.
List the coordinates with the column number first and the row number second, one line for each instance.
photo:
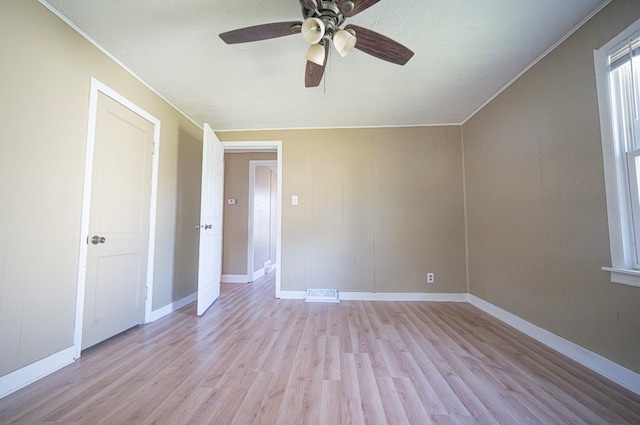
column 98, row 87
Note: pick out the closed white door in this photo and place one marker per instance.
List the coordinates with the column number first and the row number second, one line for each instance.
column 118, row 223
column 210, row 261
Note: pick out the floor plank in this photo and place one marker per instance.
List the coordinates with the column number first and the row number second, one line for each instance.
column 253, row 359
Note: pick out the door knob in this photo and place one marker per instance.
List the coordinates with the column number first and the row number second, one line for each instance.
column 98, row 239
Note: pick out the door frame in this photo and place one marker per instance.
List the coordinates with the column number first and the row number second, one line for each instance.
column 96, row 88
column 253, row 164
column 267, row 146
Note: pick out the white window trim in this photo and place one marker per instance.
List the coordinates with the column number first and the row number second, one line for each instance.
column 624, row 276
column 622, row 253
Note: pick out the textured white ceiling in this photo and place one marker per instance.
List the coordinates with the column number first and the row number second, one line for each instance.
column 465, row 52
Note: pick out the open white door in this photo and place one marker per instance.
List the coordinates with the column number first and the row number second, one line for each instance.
column 210, row 262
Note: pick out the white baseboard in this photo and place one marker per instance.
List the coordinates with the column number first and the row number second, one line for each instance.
column 400, row 296
column 22, row 377
column 242, row 278
column 170, row 308
column 384, row 296
column 234, row 278
column 601, row 365
column 293, row 295
column 258, row 274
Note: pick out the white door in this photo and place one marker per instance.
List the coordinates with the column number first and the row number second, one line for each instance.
column 118, row 222
column 210, row 262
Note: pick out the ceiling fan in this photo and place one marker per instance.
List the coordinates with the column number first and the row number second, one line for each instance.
column 322, row 24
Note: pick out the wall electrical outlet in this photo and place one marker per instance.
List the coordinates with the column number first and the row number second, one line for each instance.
column 431, row 277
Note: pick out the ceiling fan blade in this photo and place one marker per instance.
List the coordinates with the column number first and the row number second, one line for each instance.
column 380, row 46
column 359, row 5
column 314, row 72
column 261, row 32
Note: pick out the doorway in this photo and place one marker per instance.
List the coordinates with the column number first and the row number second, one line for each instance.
column 265, row 146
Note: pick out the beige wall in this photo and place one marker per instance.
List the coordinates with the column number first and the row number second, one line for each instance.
column 45, row 78
column 537, row 220
column 185, row 273
column 378, row 208
column 236, row 217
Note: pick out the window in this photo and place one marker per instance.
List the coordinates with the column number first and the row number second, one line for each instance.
column 624, row 72
column 618, row 78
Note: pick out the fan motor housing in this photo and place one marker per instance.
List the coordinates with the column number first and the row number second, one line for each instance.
column 329, row 13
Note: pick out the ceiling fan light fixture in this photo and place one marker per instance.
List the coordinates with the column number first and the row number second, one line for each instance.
column 316, row 54
column 344, row 41
column 313, row 30
column 347, row 7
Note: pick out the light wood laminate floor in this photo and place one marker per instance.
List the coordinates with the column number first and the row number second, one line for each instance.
column 252, row 359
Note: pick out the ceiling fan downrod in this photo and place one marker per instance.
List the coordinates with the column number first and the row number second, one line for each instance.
column 328, row 12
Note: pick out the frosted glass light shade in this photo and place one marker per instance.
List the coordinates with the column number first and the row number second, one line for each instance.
column 312, row 30
column 315, row 54
column 344, row 42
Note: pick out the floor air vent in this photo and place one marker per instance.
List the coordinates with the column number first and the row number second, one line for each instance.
column 322, row 296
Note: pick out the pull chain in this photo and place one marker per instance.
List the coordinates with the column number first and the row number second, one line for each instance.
column 326, row 73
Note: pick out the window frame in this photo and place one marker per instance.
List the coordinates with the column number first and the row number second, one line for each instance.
column 625, row 253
